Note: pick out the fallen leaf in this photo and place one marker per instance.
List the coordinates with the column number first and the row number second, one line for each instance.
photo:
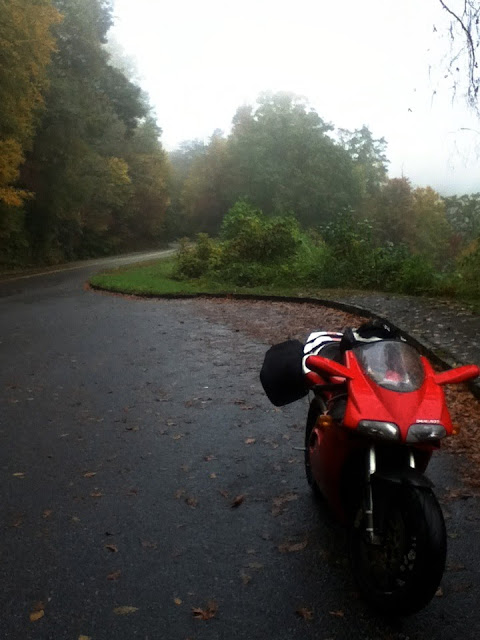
column 89, row 474
column 75, row 519
column 250, row 441
column 111, row 547
column 19, row 474
column 280, row 502
column 192, row 502
column 255, row 565
column 237, row 502
column 246, row 578
column 84, row 638
column 213, row 475
column 439, row 592
column 36, row 615
column 223, row 493
column 124, row 611
column 179, row 493
column 115, row 575
column 178, row 602
column 96, row 494
column 288, row 547
column 47, row 513
column 149, row 545
column 178, row 436
column 306, row 614
column 337, row 614
column 209, row 458
column 206, row 614
column 132, row 428
column 17, row 522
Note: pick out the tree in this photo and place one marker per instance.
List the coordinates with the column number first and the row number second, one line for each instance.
column 431, row 229
column 394, row 213
column 26, row 46
column 204, row 196
column 464, row 33
column 77, row 167
column 282, row 159
column 150, row 179
column 368, row 157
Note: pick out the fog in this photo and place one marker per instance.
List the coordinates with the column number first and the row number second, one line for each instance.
column 380, row 63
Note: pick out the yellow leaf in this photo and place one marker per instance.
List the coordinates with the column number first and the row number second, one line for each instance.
column 125, row 611
column 36, row 615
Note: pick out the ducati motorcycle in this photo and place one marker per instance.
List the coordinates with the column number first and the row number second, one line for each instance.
column 377, row 414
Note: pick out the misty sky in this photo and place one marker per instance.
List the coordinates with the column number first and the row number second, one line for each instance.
column 376, row 62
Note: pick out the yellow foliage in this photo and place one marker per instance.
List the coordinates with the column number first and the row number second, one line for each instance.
column 26, row 45
column 118, row 170
column 11, row 157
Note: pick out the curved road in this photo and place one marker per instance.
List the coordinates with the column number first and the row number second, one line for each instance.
column 145, row 475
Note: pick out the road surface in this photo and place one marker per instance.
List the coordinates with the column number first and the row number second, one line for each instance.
column 129, row 429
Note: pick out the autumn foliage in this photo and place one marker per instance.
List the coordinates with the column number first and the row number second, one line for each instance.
column 82, row 171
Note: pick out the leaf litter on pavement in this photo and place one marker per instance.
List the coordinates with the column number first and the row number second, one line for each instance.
column 209, row 612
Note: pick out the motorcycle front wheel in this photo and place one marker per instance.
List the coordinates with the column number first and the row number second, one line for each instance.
column 399, row 573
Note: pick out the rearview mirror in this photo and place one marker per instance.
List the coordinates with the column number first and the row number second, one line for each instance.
column 459, row 374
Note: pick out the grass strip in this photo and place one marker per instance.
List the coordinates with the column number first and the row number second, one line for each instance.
column 156, row 278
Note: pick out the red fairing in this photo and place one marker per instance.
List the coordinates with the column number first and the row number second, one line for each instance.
column 369, row 401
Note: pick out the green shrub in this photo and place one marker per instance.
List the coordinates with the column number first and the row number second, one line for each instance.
column 467, row 274
column 416, row 276
column 250, row 236
column 195, row 260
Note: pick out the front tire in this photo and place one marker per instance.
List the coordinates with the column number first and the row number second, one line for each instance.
column 401, row 573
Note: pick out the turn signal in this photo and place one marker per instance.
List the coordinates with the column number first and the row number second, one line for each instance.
column 324, row 421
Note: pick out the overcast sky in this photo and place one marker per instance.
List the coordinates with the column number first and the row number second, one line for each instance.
column 373, row 62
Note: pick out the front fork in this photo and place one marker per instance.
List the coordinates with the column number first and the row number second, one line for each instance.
column 371, row 469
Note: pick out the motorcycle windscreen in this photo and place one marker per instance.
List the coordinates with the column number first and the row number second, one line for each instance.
column 392, row 364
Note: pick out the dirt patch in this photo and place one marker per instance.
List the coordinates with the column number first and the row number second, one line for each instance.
column 272, row 322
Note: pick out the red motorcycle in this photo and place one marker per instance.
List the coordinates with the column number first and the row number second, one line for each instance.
column 377, row 414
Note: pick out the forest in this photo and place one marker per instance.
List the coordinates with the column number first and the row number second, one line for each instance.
column 83, row 173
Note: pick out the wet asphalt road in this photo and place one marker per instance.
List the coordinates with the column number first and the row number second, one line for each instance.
column 127, row 430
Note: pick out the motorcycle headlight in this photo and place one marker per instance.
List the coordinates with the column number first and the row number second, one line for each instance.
column 379, row 430
column 424, row 432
